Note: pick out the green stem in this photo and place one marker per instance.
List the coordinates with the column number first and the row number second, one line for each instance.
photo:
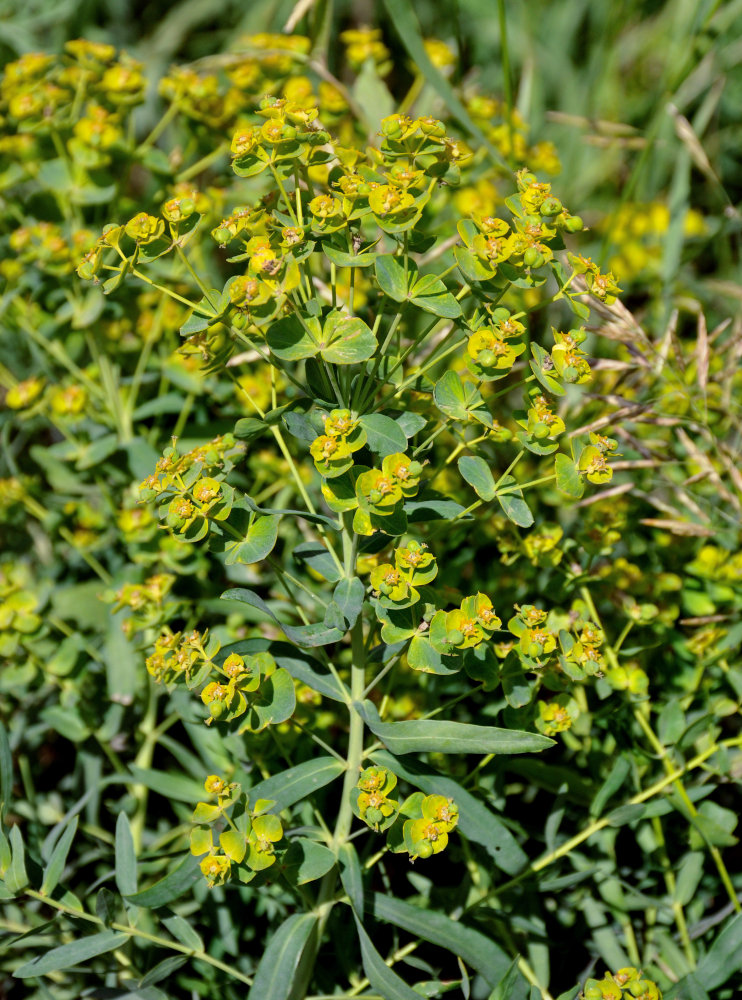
column 600, row 824
column 160, row 942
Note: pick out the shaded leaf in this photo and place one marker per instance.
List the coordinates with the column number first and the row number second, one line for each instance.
column 274, row 977
column 71, row 954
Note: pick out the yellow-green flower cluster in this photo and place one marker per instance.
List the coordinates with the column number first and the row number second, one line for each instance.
column 593, row 462
column 333, row 451
column 396, row 584
column 464, row 627
column 626, row 984
column 182, row 657
column 370, row 798
column 246, row 846
column 432, row 818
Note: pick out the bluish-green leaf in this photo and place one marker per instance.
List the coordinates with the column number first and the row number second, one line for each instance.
column 274, row 977
column 171, row 785
column 16, row 877
column 724, row 958
column 71, row 954
column 568, row 479
column 440, row 736
column 384, row 435
column 317, row 556
column 351, row 875
column 348, row 595
column 478, row 475
column 173, row 885
column 6, row 771
column 58, row 859
column 306, row 861
column 303, row 635
column 391, row 277
column 163, row 970
column 475, row 948
column 382, row 978
column 297, row 783
column 516, row 509
column 257, row 544
column 182, row 931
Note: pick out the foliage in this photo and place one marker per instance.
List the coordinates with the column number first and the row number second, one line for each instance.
column 366, row 550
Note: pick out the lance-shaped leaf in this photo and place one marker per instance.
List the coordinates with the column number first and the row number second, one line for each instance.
column 303, row 635
column 71, row 954
column 173, row 885
column 383, row 979
column 274, row 977
column 439, row 736
column 475, row 948
column 298, row 782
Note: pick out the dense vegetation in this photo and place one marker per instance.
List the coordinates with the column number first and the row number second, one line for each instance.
column 370, row 587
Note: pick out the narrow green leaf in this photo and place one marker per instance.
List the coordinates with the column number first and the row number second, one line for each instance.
column 383, row 979
column 55, row 867
column 303, row 635
column 126, row 859
column 724, row 957
column 71, row 954
column 689, row 875
column 182, row 931
column 439, row 736
column 16, row 877
column 476, row 949
column 568, row 479
column 296, row 783
column 478, row 475
column 171, row 785
column 351, row 876
column 105, row 906
column 274, row 977
column 687, row 988
column 619, row 773
column 163, row 970
column 173, row 885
